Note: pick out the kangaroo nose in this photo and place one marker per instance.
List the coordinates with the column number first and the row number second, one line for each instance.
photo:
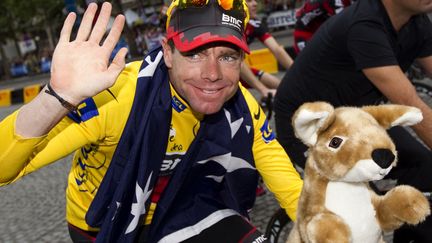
column 383, row 157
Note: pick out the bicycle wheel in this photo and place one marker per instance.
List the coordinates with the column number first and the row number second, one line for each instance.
column 424, row 91
column 278, row 227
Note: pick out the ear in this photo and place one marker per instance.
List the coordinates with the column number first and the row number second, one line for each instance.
column 394, row 115
column 167, row 52
column 310, row 118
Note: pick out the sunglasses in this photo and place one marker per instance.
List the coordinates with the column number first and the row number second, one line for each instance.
column 228, row 5
column 225, row 4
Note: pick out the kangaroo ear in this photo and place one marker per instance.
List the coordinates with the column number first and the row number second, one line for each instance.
column 310, row 118
column 394, row 115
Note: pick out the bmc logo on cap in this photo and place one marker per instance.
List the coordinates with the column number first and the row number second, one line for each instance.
column 230, row 20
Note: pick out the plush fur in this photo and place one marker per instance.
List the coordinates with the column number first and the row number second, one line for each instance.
column 348, row 147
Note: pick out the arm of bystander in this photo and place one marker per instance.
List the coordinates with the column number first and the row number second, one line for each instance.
column 399, row 90
column 279, row 52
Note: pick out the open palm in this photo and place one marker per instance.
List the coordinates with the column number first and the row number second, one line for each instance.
column 81, row 68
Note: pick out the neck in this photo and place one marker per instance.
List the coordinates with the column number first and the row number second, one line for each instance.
column 398, row 14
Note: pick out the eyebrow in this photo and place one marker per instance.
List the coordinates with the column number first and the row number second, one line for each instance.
column 230, row 52
column 230, row 49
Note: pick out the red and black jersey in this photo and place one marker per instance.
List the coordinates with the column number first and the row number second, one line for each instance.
column 311, row 15
column 256, row 29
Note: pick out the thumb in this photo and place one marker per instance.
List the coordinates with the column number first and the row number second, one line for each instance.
column 117, row 64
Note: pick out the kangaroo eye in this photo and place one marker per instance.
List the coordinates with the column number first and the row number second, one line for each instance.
column 335, row 142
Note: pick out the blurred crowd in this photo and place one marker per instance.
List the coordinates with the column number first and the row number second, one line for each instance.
column 31, row 63
column 147, row 27
column 148, row 32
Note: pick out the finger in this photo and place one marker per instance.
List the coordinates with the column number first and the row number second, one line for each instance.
column 101, row 23
column 114, row 34
column 117, row 64
column 87, row 22
column 67, row 28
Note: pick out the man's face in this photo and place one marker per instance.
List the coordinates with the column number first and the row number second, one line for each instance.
column 207, row 77
column 252, row 6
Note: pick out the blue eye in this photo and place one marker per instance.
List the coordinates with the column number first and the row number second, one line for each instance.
column 228, row 58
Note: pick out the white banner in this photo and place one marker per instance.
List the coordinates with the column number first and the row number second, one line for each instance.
column 281, row 18
column 27, row 46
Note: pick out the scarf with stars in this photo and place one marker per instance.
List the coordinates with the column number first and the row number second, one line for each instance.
column 215, row 179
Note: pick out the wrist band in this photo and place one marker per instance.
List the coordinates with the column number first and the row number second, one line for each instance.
column 63, row 102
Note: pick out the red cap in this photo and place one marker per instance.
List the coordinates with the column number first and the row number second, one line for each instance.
column 193, row 27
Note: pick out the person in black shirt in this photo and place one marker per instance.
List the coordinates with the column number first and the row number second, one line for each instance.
column 359, row 57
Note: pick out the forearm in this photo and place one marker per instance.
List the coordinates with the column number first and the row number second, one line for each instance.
column 272, row 162
column 247, row 75
column 38, row 117
column 283, row 58
column 399, row 90
column 282, row 180
column 426, row 64
column 279, row 52
column 410, row 98
column 20, row 156
column 424, row 128
column 15, row 151
column 279, row 175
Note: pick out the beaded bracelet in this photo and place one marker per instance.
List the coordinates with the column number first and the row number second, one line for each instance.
column 63, row 102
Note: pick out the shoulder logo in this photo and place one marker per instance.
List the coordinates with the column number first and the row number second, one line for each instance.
column 267, row 133
column 232, row 21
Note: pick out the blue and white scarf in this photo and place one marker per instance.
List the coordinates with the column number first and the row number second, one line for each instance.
column 216, row 178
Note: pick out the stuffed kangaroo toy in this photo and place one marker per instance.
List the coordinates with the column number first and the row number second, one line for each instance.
column 348, row 147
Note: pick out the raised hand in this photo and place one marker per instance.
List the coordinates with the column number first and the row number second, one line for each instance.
column 80, row 68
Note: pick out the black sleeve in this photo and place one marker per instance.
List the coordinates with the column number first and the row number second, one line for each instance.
column 262, row 29
column 425, row 26
column 369, row 46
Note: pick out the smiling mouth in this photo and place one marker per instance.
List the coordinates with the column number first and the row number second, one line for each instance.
column 209, row 91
